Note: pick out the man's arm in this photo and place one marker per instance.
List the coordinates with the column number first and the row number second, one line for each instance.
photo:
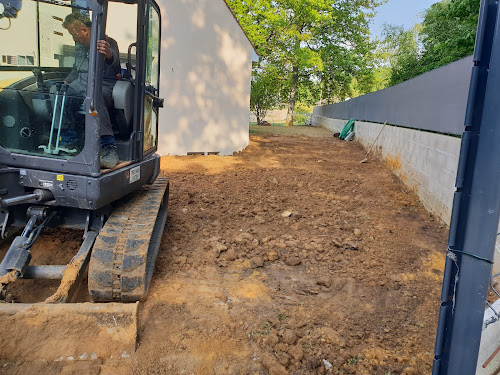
column 109, row 49
column 71, row 76
column 80, row 55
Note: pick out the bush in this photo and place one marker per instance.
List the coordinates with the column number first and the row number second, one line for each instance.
column 299, row 118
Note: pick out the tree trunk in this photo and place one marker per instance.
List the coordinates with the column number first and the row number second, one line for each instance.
column 293, row 96
column 258, row 114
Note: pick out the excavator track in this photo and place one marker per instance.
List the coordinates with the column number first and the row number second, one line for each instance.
column 124, row 254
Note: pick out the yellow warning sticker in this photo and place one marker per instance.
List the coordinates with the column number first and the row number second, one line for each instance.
column 60, row 177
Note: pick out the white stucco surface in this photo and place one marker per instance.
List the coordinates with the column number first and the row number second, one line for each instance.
column 206, row 63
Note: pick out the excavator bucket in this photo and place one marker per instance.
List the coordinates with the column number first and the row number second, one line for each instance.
column 74, row 331
column 60, row 329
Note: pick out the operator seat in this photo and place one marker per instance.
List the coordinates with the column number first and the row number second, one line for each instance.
column 123, row 99
column 124, row 96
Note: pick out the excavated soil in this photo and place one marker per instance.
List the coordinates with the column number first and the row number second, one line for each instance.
column 290, row 257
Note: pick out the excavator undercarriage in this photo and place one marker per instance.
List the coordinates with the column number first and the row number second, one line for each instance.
column 119, row 258
column 67, row 101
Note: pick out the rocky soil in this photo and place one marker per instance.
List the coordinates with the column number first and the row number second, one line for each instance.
column 290, row 257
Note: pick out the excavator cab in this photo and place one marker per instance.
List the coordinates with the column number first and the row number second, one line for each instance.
column 50, row 144
column 47, row 124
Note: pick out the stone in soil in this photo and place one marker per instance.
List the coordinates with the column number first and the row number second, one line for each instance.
column 256, row 262
column 289, row 337
column 293, row 260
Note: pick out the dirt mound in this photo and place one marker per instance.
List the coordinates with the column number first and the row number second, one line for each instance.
column 289, row 258
column 292, row 258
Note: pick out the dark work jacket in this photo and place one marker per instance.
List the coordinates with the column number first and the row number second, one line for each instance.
column 78, row 77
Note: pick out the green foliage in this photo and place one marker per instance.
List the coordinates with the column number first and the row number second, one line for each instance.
column 299, row 118
column 303, row 107
column 264, row 94
column 315, row 46
column 403, row 47
column 319, row 50
column 371, row 79
column 308, row 93
column 447, row 34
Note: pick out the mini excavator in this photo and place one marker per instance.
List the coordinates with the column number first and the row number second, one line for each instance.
column 46, row 183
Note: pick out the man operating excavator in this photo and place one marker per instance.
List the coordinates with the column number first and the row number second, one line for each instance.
column 79, row 26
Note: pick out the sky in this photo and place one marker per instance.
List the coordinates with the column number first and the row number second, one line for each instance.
column 399, row 12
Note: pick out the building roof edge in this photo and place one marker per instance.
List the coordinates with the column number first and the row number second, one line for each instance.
column 239, row 24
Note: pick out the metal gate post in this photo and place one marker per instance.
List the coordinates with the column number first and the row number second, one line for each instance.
column 474, row 223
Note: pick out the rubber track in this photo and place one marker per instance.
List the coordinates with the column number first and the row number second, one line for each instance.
column 125, row 251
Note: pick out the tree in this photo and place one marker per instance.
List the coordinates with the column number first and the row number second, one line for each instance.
column 309, row 40
column 264, row 94
column 403, row 48
column 449, row 32
column 376, row 78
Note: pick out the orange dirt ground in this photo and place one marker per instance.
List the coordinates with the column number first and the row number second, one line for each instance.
column 290, row 257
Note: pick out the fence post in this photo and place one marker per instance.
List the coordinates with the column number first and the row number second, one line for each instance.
column 476, row 206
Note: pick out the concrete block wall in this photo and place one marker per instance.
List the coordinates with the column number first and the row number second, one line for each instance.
column 426, row 162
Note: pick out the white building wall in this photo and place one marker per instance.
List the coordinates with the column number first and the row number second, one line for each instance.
column 426, row 162
column 206, row 65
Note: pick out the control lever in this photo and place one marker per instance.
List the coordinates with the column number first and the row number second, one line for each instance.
column 151, row 92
